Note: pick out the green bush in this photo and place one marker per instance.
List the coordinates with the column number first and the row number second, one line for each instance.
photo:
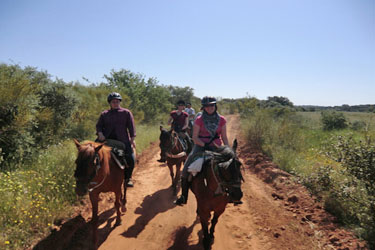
column 333, row 120
column 358, row 125
column 357, row 186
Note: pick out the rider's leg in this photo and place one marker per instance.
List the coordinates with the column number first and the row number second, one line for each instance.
column 130, row 159
column 185, row 184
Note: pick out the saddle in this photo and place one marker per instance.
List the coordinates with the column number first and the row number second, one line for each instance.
column 222, row 157
column 117, row 152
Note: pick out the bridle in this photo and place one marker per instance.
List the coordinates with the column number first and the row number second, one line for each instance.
column 224, row 186
column 97, row 166
column 174, row 141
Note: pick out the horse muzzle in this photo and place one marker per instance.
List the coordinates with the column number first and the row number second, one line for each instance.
column 81, row 189
column 235, row 194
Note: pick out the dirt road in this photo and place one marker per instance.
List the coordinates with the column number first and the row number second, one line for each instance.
column 276, row 213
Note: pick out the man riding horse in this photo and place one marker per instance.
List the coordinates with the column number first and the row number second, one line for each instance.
column 179, row 120
column 209, row 132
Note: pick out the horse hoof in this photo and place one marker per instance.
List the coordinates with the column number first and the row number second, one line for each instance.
column 123, row 209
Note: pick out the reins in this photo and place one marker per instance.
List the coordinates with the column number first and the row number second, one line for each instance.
column 97, row 168
column 168, row 153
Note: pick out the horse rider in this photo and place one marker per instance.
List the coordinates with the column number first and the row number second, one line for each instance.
column 209, row 132
column 179, row 120
column 116, row 125
column 191, row 113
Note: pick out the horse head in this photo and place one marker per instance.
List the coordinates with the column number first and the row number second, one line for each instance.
column 165, row 139
column 88, row 164
column 230, row 173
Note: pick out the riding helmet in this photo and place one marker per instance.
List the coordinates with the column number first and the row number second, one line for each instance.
column 181, row 102
column 207, row 100
column 114, row 95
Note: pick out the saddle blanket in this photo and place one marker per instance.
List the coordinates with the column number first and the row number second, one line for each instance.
column 196, row 166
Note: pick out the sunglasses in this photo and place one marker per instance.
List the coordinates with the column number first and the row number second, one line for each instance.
column 209, row 105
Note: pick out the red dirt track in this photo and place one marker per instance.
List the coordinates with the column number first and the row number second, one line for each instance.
column 276, row 213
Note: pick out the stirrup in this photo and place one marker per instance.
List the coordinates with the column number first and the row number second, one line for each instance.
column 130, row 183
column 180, row 201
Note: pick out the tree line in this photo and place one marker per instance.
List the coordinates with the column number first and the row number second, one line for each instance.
column 37, row 111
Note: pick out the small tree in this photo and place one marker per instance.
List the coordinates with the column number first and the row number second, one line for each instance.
column 333, row 120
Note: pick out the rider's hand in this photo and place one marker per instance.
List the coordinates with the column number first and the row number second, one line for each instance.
column 101, row 137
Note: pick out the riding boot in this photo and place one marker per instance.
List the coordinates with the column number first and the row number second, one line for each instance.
column 184, row 193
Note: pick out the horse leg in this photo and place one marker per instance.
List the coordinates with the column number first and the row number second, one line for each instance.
column 117, row 205
column 123, row 200
column 178, row 172
column 94, row 198
column 213, row 224
column 170, row 166
column 204, row 217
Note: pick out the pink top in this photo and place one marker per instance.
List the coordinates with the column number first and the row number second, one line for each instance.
column 203, row 131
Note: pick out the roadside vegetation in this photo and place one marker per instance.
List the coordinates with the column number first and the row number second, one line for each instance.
column 331, row 152
column 39, row 117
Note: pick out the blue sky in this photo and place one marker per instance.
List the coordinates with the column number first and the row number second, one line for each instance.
column 317, row 52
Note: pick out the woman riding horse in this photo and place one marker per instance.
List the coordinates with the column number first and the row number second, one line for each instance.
column 117, row 124
column 209, row 131
column 179, row 120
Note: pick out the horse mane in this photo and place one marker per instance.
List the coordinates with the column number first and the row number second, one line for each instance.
column 104, row 149
column 223, row 153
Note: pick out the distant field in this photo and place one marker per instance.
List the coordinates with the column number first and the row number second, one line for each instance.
column 312, row 119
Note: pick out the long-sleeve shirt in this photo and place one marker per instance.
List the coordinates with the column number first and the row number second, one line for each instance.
column 117, row 124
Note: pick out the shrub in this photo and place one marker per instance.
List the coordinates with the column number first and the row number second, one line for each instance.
column 358, row 125
column 358, row 161
column 333, row 120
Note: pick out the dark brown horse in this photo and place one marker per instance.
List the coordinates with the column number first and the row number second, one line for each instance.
column 217, row 184
column 171, row 145
column 98, row 171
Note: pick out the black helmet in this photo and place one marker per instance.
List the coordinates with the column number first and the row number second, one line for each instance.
column 114, row 95
column 181, row 102
column 207, row 100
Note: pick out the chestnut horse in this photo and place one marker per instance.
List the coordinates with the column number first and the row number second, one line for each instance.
column 175, row 154
column 217, row 184
column 98, row 171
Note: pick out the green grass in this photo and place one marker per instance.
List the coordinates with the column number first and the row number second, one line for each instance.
column 37, row 195
column 312, row 119
column 145, row 135
column 299, row 145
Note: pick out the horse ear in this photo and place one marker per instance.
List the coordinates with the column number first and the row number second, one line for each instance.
column 161, row 128
column 98, row 148
column 77, row 143
column 235, row 144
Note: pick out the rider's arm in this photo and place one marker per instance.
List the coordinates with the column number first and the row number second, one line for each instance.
column 99, row 128
column 196, row 139
column 224, row 136
column 170, row 120
column 132, row 141
column 186, row 123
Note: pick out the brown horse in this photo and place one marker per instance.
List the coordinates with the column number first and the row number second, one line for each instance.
column 98, row 171
column 171, row 145
column 217, row 184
